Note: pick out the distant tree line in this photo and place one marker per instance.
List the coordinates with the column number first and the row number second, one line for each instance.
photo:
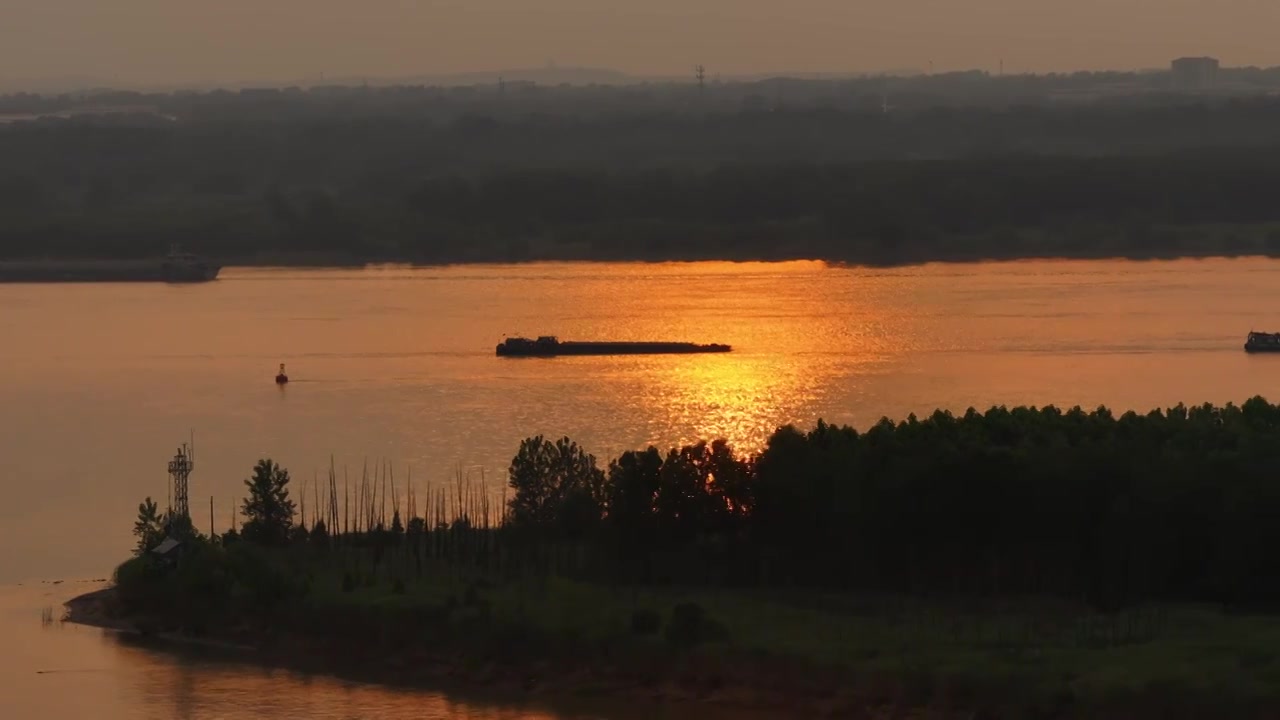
column 648, row 172
column 444, row 98
column 124, row 193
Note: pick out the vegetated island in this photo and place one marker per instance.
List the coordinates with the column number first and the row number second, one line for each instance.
column 1014, row 563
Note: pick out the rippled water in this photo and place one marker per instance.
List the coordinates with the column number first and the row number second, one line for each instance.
column 100, row 383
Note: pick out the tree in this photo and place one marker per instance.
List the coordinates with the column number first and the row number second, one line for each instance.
column 320, row 534
column 558, row 487
column 149, row 527
column 268, row 511
column 632, row 487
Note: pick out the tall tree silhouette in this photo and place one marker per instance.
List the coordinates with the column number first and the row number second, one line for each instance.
column 149, row 527
column 268, row 511
column 558, row 487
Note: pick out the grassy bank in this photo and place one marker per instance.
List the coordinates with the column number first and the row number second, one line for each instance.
column 796, row 653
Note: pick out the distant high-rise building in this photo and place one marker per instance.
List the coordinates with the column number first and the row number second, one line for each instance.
column 1195, row 73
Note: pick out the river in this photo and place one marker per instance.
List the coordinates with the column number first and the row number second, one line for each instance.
column 55, row 671
column 99, row 385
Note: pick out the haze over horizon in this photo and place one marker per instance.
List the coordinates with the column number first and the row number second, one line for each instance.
column 150, row 42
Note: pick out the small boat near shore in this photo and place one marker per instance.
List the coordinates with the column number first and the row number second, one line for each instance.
column 1262, row 342
column 550, row 346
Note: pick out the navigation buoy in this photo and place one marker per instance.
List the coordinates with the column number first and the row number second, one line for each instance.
column 281, row 379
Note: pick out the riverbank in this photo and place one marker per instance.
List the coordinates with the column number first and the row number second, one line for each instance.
column 1254, row 243
column 696, row 684
column 782, row 659
column 1189, row 242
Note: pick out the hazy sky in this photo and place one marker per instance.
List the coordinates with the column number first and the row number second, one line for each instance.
column 166, row 41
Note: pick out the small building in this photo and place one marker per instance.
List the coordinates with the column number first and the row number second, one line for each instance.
column 1194, row 73
column 169, row 551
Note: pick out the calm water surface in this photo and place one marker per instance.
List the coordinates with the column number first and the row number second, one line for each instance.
column 52, row 671
column 100, row 383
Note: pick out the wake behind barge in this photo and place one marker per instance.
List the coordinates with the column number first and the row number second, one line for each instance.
column 548, row 346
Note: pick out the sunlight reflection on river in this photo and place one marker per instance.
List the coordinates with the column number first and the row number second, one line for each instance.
column 99, row 383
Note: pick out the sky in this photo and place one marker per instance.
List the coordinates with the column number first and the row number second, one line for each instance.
column 132, row 42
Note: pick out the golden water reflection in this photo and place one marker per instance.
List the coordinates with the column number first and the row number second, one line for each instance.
column 710, row 397
column 397, row 365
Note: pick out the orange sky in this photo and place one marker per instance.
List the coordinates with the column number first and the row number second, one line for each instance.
column 167, row 41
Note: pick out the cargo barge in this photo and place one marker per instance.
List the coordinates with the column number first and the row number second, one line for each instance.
column 1262, row 342
column 176, row 267
column 548, row 346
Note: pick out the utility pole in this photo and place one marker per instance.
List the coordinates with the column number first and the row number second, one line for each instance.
column 701, row 73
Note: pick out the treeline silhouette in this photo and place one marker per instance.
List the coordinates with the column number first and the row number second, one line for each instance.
column 1201, row 202
column 595, row 93
column 1087, row 508
column 356, row 180
column 1180, row 505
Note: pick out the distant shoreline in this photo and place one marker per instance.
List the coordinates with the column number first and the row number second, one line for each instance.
column 332, row 263
column 343, row 261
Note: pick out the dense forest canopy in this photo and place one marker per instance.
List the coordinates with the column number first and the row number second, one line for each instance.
column 1170, row 505
column 595, row 173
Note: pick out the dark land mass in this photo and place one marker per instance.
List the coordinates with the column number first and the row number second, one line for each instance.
column 648, row 173
column 1015, row 563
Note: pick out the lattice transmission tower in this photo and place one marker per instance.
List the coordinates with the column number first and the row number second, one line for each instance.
column 180, row 468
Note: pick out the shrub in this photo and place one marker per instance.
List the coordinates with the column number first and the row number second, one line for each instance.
column 691, row 626
column 645, row 622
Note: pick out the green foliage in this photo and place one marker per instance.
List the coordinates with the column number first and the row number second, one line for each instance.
column 417, row 526
column 690, row 625
column 299, row 534
column 645, row 622
column 179, row 526
column 268, row 511
column 557, row 487
column 136, row 580
column 319, row 536
column 148, row 528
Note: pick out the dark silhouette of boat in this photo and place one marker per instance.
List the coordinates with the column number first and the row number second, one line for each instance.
column 175, row 267
column 1262, row 342
column 548, row 346
column 281, row 377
